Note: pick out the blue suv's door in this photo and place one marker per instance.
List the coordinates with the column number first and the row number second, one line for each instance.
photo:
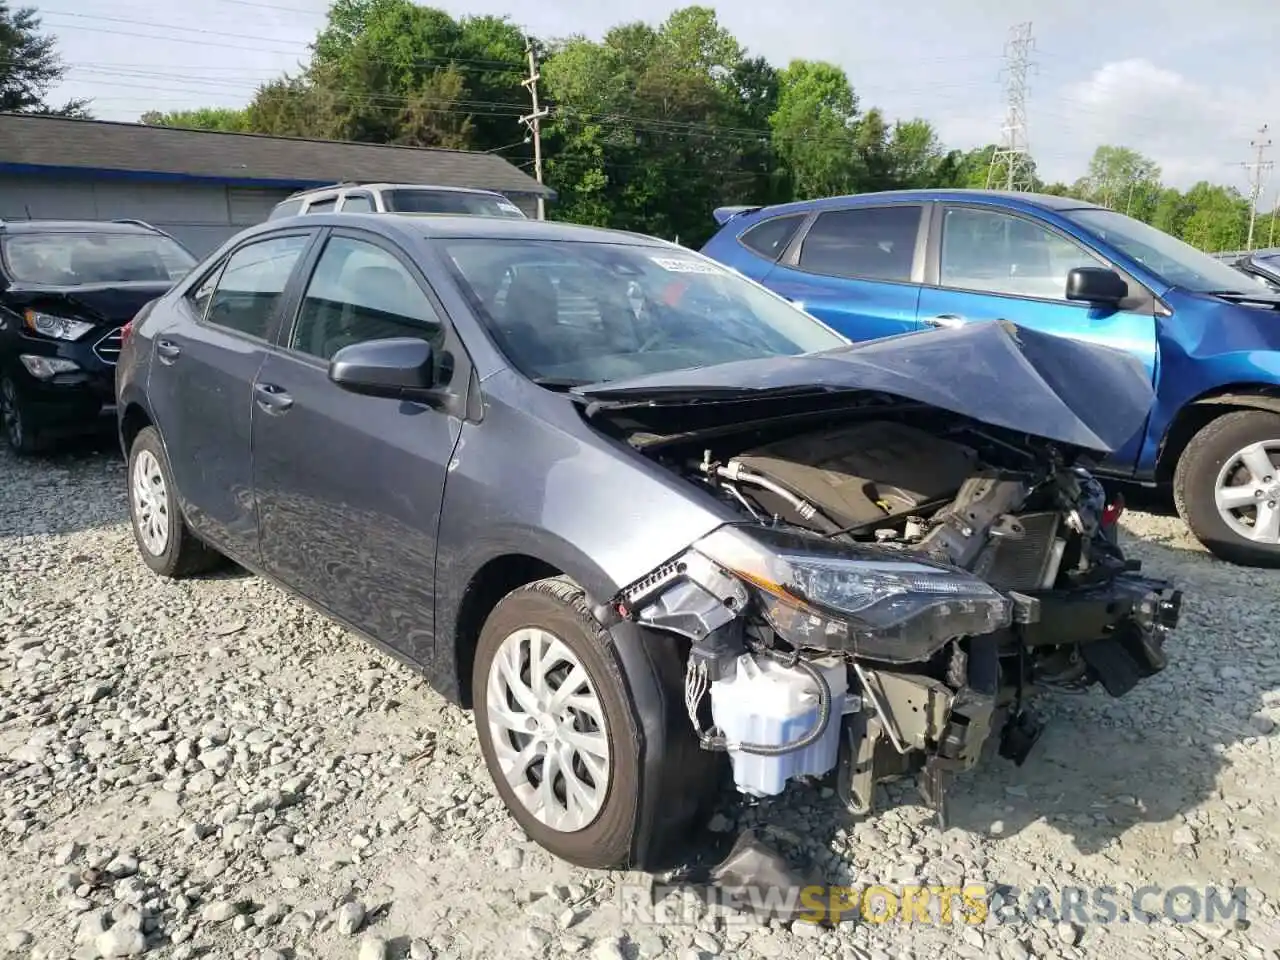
column 857, row 269
column 987, row 263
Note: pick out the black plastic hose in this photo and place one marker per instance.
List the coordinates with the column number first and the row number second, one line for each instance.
column 710, row 742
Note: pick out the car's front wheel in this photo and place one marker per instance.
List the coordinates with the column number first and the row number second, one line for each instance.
column 165, row 541
column 579, row 730
column 555, row 725
column 1227, row 487
column 16, row 418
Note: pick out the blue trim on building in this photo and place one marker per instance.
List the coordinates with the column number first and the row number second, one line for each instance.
column 159, row 176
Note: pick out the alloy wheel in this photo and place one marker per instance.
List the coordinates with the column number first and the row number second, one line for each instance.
column 150, row 503
column 549, row 730
column 1247, row 492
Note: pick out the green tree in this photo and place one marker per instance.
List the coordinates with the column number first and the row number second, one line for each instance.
column 815, row 128
column 30, row 66
column 1219, row 218
column 1124, row 180
column 227, row 119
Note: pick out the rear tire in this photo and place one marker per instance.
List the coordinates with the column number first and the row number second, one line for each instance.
column 1213, row 468
column 164, row 540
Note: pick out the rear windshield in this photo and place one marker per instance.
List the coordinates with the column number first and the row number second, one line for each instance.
column 451, row 202
column 75, row 259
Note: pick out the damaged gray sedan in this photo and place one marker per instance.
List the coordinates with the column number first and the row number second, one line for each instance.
column 656, row 525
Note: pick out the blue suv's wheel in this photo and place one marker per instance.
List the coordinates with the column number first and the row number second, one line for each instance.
column 1227, row 487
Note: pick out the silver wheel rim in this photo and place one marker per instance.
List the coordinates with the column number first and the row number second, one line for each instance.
column 9, row 410
column 150, row 503
column 1247, row 492
column 548, row 730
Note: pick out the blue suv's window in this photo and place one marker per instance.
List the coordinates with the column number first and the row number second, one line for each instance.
column 993, row 252
column 770, row 237
column 868, row 243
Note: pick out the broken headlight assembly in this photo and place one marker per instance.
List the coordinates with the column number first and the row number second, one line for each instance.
column 862, row 600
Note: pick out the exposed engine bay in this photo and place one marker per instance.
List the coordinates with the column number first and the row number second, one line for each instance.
column 899, row 588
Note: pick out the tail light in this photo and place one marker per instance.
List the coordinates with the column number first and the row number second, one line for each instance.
column 1113, row 511
column 125, row 333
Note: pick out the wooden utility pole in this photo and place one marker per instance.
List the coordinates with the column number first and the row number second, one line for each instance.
column 534, row 122
column 1257, row 175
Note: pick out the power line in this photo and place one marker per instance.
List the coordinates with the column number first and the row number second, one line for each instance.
column 1010, row 164
column 1257, row 175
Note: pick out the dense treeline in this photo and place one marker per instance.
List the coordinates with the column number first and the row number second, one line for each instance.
column 651, row 127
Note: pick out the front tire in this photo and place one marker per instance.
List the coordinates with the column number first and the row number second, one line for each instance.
column 1227, row 487
column 556, row 724
column 164, row 540
column 20, row 432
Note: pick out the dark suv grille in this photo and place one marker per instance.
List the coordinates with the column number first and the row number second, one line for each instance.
column 108, row 348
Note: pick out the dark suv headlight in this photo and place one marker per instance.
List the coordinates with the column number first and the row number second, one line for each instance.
column 866, row 600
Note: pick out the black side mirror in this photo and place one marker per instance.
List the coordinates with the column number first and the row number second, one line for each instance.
column 1096, row 285
column 401, row 367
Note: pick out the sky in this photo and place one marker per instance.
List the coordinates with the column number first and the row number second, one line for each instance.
column 1186, row 83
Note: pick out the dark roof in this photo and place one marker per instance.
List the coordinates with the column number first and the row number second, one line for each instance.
column 74, row 226
column 469, row 227
column 99, row 146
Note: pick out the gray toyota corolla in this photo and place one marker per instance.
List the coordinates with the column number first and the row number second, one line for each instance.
column 656, row 525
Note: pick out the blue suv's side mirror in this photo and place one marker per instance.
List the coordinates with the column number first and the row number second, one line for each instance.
column 1096, row 285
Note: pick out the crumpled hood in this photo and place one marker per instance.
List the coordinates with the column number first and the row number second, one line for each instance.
column 1072, row 392
column 105, row 303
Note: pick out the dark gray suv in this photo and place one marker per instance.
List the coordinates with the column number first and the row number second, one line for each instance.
column 655, row 524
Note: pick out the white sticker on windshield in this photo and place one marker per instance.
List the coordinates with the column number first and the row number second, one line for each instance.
column 680, row 265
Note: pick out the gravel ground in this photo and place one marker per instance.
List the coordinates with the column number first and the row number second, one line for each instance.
column 210, row 768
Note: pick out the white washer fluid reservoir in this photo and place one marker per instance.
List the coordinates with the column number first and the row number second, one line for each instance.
column 771, row 704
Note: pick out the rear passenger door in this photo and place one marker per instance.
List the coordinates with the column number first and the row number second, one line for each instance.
column 858, row 269
column 348, row 486
column 201, row 380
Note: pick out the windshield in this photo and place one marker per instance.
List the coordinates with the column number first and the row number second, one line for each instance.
column 570, row 312
column 1177, row 263
column 451, row 201
column 77, row 259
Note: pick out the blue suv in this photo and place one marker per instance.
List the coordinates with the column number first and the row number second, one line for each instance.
column 880, row 264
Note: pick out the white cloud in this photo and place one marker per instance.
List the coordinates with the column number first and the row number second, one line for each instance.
column 1193, row 130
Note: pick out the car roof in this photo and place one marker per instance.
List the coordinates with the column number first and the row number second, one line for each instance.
column 464, row 227
column 1011, row 198
column 337, row 187
column 15, row 227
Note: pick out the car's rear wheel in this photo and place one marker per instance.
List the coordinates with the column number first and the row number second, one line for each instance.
column 579, row 730
column 19, row 425
column 1227, row 487
column 164, row 540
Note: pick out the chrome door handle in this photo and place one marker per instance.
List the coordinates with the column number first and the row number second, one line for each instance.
column 272, row 399
column 945, row 320
column 167, row 350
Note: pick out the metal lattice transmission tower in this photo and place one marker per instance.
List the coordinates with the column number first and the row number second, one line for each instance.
column 1011, row 163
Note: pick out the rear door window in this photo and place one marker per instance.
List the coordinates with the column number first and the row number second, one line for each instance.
column 770, row 237
column 322, row 206
column 866, row 243
column 251, row 286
